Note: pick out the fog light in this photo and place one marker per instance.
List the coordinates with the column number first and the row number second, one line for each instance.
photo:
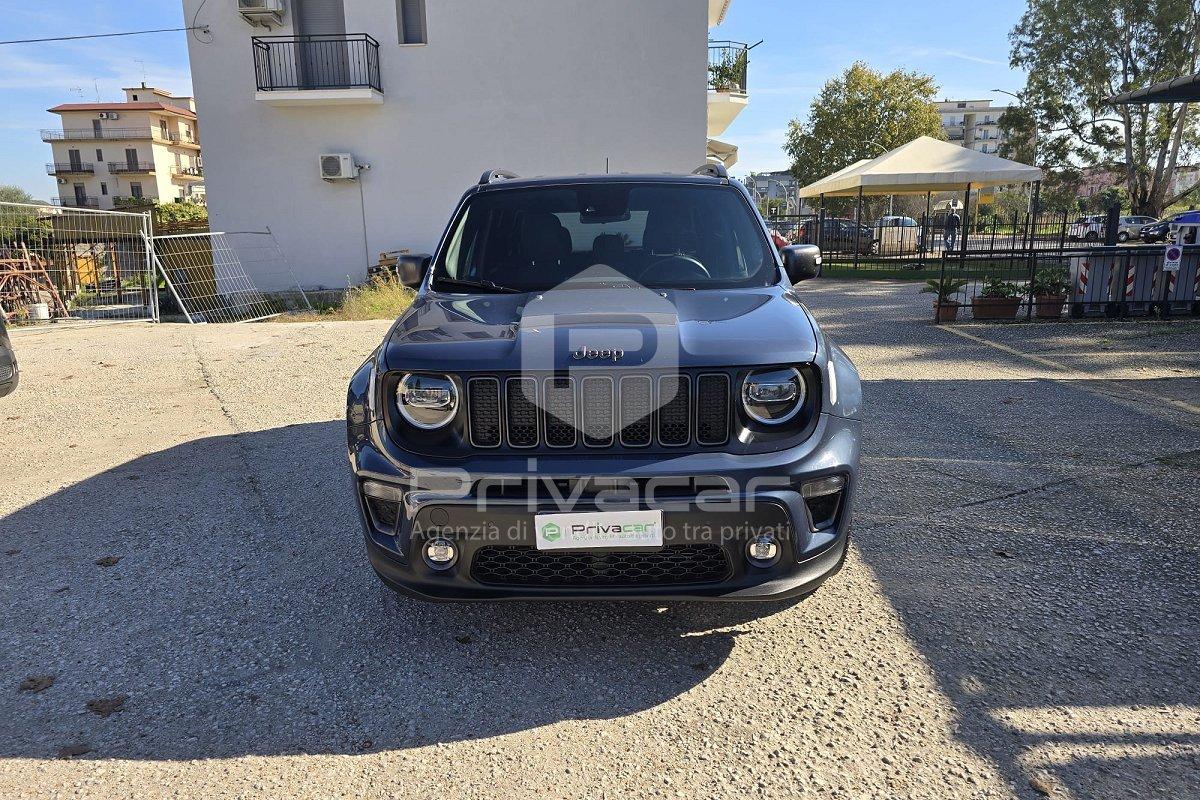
column 823, row 486
column 762, row 551
column 441, row 553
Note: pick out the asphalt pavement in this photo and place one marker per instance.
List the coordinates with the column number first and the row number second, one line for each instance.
column 189, row 612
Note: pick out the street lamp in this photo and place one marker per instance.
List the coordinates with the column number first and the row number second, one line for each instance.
column 1034, row 139
column 883, row 150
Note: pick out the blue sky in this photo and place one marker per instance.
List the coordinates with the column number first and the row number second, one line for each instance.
column 805, row 43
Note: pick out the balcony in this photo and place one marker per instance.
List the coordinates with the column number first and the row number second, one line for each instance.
column 728, row 66
column 118, row 167
column 75, row 202
column 188, row 173
column 111, row 134
column 331, row 69
column 69, row 168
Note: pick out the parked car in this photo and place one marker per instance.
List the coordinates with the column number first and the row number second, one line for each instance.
column 1131, row 227
column 896, row 235
column 1089, row 229
column 607, row 386
column 1158, row 231
column 839, row 235
column 9, row 374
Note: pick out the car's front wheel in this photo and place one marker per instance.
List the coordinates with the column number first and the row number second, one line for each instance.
column 1092, row 236
column 1122, row 237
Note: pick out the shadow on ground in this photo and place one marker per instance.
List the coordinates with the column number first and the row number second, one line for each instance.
column 243, row 618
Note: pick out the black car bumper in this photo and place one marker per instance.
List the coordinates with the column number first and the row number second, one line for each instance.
column 706, row 530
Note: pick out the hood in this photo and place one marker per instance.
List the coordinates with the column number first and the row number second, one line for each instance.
column 616, row 327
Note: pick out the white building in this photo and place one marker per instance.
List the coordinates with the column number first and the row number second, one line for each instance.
column 425, row 97
column 973, row 123
column 145, row 148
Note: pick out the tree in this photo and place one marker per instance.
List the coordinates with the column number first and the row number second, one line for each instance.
column 15, row 194
column 1078, row 54
column 858, row 115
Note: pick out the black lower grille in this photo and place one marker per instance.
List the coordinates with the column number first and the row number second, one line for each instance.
column 670, row 566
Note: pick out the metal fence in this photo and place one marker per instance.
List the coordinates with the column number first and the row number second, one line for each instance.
column 214, row 277
column 1074, row 283
column 898, row 242
column 728, row 66
column 74, row 264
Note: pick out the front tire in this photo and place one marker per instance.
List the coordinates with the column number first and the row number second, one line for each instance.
column 1092, row 236
column 1122, row 237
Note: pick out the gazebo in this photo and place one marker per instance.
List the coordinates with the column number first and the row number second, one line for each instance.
column 923, row 166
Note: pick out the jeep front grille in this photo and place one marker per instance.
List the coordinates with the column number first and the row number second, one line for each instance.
column 599, row 411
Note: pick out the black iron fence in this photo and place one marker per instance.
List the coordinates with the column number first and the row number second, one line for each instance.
column 69, row 167
column 897, row 242
column 117, row 167
column 1077, row 282
column 728, row 66
column 330, row 61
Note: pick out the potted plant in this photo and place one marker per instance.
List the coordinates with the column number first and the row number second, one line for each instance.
column 1049, row 288
column 998, row 300
column 945, row 288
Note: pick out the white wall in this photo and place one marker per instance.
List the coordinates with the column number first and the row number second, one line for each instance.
column 540, row 87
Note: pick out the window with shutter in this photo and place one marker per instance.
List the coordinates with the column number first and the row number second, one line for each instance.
column 411, row 17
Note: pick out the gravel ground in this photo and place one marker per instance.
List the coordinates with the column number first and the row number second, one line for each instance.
column 189, row 612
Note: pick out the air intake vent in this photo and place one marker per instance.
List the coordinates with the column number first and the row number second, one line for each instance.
column 636, row 407
column 597, row 411
column 674, row 411
column 483, row 404
column 670, row 566
column 559, row 405
column 712, row 409
column 521, row 397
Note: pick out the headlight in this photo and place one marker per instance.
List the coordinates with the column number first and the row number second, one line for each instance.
column 773, row 396
column 427, row 401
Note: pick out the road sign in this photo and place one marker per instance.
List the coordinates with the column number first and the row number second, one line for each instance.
column 1171, row 258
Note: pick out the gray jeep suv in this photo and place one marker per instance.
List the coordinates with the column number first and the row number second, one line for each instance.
column 607, row 386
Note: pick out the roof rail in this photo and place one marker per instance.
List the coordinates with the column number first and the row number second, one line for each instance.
column 712, row 169
column 493, row 175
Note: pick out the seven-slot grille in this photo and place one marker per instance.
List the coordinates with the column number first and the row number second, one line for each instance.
column 598, row 411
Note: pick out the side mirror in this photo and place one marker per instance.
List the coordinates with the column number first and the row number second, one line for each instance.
column 411, row 269
column 801, row 262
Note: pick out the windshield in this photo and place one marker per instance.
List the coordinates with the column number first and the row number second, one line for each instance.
column 660, row 235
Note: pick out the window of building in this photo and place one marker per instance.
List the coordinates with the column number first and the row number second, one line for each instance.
column 96, row 128
column 135, row 190
column 103, row 188
column 99, row 154
column 410, row 14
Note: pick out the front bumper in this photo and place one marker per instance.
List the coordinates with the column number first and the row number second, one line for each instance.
column 761, row 493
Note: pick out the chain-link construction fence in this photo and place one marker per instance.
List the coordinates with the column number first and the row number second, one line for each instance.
column 75, row 265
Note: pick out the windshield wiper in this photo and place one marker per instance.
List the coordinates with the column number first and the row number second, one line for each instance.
column 485, row 285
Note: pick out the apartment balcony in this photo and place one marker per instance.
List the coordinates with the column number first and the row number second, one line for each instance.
column 119, row 167
column 118, row 134
column 75, row 202
column 70, row 168
column 188, row 173
column 331, row 69
column 728, row 65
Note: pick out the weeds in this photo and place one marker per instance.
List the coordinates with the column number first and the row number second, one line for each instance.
column 380, row 298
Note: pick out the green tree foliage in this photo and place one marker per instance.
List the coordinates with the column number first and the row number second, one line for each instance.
column 1079, row 53
column 860, row 114
column 18, row 226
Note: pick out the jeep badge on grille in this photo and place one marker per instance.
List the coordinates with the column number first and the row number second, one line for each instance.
column 587, row 353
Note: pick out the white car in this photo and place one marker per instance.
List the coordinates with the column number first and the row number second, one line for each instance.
column 1089, row 229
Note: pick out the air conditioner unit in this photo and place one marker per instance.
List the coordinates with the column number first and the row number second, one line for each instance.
column 261, row 12
column 338, row 167
column 109, row 115
column 62, row 181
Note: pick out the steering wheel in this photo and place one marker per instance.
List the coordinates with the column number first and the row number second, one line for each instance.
column 675, row 268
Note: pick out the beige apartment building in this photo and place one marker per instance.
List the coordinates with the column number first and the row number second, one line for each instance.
column 973, row 123
column 107, row 154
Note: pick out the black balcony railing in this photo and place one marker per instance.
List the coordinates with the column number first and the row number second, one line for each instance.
column 69, row 167
column 117, row 167
column 727, row 66
column 76, row 202
column 188, row 172
column 330, row 61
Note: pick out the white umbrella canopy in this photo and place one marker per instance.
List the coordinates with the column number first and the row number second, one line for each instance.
column 923, row 165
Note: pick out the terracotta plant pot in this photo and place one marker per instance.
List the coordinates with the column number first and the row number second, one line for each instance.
column 995, row 307
column 947, row 311
column 1048, row 306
